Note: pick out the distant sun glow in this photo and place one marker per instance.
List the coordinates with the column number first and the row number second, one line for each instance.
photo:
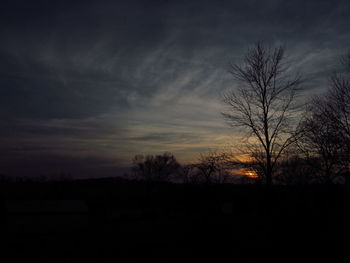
column 248, row 173
column 251, row 174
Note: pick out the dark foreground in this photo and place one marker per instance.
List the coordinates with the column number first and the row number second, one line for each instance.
column 119, row 221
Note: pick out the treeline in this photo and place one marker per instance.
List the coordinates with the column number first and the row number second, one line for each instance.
column 220, row 168
column 212, row 167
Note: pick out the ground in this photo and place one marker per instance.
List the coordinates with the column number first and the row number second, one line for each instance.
column 106, row 220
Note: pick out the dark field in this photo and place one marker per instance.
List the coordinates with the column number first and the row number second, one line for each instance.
column 110, row 220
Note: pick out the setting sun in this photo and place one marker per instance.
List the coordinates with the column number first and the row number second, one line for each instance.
column 249, row 173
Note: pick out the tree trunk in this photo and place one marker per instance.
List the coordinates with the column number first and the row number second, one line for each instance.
column 328, row 176
column 268, row 170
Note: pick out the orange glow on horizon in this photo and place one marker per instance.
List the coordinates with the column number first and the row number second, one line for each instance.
column 248, row 173
column 251, row 174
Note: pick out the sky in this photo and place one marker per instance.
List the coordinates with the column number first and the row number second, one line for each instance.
column 86, row 85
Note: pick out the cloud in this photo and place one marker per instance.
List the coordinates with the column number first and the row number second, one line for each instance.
column 114, row 78
column 53, row 166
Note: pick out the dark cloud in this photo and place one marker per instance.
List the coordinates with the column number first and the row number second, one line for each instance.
column 113, row 78
column 169, row 137
column 52, row 166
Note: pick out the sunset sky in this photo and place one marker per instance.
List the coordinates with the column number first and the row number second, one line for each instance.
column 86, row 85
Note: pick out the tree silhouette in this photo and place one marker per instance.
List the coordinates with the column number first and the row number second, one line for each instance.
column 215, row 167
column 263, row 103
column 188, row 175
column 326, row 129
column 321, row 141
column 155, row 168
column 339, row 107
column 295, row 170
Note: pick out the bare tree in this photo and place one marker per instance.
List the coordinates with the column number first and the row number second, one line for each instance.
column 321, row 142
column 264, row 104
column 215, row 167
column 155, row 168
column 188, row 174
column 295, row 170
column 326, row 128
column 339, row 106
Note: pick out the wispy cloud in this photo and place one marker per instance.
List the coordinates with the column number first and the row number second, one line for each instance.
column 110, row 80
